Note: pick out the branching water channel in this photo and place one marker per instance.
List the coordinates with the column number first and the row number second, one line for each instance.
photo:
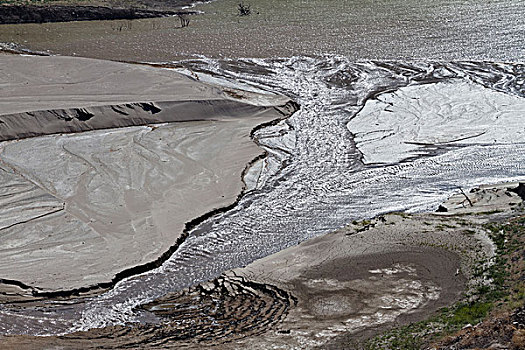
column 312, row 182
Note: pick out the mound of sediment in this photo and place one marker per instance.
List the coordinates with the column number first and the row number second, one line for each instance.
column 80, row 211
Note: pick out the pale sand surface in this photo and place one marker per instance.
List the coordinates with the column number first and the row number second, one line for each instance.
column 77, row 209
column 44, row 95
column 446, row 114
column 484, row 199
column 33, row 83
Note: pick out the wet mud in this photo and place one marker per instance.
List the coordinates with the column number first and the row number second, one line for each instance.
column 329, row 292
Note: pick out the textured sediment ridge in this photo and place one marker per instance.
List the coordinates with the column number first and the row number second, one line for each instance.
column 454, row 113
column 112, row 201
column 73, row 120
column 49, row 95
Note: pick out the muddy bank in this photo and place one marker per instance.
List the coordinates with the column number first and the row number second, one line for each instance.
column 50, row 95
column 54, row 121
column 63, row 13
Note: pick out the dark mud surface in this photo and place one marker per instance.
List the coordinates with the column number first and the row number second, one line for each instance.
column 223, row 310
column 65, row 13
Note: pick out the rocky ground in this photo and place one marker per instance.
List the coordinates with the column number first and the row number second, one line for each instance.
column 496, row 317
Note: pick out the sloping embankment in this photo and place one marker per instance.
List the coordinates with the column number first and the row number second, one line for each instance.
column 55, row 121
column 50, row 95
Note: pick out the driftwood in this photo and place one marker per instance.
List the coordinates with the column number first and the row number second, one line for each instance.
column 244, row 10
column 184, row 20
column 468, row 199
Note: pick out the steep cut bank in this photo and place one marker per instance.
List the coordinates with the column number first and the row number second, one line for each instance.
column 16, row 14
column 112, row 200
column 49, row 95
column 73, row 120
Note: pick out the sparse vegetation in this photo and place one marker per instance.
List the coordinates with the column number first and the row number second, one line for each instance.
column 56, row 2
column 244, row 10
column 470, row 313
column 399, row 213
column 500, row 288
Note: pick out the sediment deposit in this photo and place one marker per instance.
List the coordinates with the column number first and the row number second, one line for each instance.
column 451, row 113
column 330, row 292
column 112, row 200
column 311, row 182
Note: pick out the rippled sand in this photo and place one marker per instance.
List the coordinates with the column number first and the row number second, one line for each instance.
column 404, row 124
column 329, row 292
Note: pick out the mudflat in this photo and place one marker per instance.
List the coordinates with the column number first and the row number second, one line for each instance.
column 112, row 199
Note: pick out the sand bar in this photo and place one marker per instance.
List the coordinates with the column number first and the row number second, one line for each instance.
column 111, row 199
column 417, row 119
